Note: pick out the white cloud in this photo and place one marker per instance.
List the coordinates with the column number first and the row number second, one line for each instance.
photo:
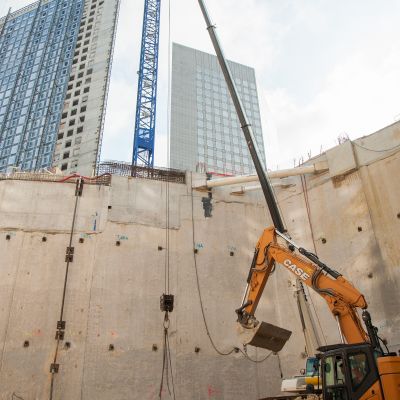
column 358, row 97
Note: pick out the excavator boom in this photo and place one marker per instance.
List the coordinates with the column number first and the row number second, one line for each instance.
column 342, row 297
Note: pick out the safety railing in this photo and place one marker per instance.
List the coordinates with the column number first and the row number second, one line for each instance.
column 126, row 169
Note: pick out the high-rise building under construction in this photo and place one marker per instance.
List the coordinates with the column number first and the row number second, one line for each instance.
column 55, row 59
column 205, row 130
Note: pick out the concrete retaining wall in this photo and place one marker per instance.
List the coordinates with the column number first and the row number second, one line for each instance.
column 113, row 291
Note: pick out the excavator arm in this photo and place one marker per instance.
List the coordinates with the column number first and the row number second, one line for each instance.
column 342, row 298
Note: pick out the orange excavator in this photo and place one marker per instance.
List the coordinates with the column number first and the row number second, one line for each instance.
column 358, row 368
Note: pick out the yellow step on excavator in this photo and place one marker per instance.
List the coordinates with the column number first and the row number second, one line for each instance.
column 356, row 369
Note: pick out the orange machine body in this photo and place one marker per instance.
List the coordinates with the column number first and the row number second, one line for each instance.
column 343, row 300
column 343, row 305
column 389, row 372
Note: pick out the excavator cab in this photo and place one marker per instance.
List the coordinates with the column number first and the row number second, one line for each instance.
column 349, row 372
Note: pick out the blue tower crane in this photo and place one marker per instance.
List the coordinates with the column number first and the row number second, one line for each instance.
column 143, row 146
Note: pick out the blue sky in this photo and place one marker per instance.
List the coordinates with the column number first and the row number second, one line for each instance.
column 324, row 68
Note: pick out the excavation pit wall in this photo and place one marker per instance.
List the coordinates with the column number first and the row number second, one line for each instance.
column 112, row 347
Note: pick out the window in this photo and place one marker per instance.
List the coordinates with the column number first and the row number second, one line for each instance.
column 80, row 129
column 335, row 378
column 80, row 75
column 66, row 155
column 77, row 93
column 71, row 122
column 70, row 132
column 83, row 109
column 68, row 144
column 64, row 166
column 86, row 90
column 75, row 102
column 64, row 115
column 73, row 112
column 82, row 118
column 60, row 135
column 359, row 368
column 89, row 71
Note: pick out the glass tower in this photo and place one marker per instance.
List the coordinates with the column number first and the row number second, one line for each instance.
column 37, row 44
column 205, row 130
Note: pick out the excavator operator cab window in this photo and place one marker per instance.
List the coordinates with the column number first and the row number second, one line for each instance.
column 359, row 369
column 349, row 372
column 312, row 366
column 335, row 378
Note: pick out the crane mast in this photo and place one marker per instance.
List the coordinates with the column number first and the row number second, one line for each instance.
column 143, row 146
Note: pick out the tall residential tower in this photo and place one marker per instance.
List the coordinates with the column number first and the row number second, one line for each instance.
column 205, row 130
column 55, row 61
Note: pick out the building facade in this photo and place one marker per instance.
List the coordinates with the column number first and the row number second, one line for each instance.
column 205, row 130
column 54, row 67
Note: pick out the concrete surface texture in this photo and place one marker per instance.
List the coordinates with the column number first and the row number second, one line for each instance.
column 112, row 347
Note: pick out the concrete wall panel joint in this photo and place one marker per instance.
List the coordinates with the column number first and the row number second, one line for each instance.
column 341, row 160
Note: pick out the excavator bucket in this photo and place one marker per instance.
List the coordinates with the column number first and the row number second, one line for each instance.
column 265, row 335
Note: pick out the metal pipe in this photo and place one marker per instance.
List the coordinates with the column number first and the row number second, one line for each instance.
column 289, row 240
column 245, row 294
column 284, row 173
column 244, row 189
column 245, row 124
column 340, row 330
